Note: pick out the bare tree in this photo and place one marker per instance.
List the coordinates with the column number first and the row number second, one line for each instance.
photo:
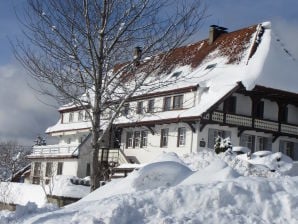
column 12, row 158
column 83, row 48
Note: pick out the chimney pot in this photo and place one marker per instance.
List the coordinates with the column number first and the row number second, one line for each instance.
column 137, row 55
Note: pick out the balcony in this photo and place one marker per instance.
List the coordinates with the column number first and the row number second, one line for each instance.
column 246, row 121
column 53, row 150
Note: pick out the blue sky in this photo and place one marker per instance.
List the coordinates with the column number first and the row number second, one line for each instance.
column 23, row 116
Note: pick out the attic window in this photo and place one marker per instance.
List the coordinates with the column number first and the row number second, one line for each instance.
column 176, row 74
column 210, row 66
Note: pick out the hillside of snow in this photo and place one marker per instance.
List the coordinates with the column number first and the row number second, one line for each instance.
column 198, row 188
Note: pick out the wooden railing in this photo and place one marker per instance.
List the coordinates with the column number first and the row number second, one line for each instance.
column 246, row 121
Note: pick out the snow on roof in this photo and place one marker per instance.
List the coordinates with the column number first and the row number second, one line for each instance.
column 63, row 127
column 251, row 56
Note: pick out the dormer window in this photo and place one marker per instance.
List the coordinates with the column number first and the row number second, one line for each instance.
column 211, row 66
column 71, row 115
column 176, row 74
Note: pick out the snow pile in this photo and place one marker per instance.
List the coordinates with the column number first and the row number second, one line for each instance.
column 166, row 191
column 218, row 170
column 274, row 161
column 154, row 175
column 200, row 160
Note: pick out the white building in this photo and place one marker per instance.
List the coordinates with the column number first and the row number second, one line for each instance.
column 241, row 84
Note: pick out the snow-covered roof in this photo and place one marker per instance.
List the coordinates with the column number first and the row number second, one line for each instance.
column 252, row 56
column 64, row 127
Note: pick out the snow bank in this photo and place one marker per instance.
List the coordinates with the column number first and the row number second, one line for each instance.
column 167, row 191
column 164, row 173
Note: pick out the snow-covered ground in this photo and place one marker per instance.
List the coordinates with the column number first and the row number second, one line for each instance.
column 198, row 188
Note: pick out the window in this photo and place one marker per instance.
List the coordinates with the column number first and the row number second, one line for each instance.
column 263, row 143
column 70, row 117
column 49, row 168
column 59, row 168
column 181, row 137
column 289, row 149
column 259, row 113
column 213, row 134
column 178, row 102
column 81, row 115
column 37, row 169
column 167, row 103
column 164, row 137
column 140, row 107
column 144, row 139
column 129, row 139
column 68, row 140
column 137, row 139
column 126, row 109
column 248, row 141
column 150, row 106
column 230, row 105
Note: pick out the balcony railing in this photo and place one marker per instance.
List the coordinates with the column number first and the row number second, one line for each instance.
column 54, row 150
column 246, row 121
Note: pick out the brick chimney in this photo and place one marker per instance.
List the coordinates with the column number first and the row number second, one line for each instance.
column 214, row 32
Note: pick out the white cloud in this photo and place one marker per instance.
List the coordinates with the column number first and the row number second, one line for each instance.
column 22, row 115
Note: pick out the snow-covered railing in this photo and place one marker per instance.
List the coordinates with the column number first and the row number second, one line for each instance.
column 290, row 129
column 238, row 120
column 267, row 125
column 53, row 149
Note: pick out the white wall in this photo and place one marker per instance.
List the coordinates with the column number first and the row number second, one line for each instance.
column 153, row 149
